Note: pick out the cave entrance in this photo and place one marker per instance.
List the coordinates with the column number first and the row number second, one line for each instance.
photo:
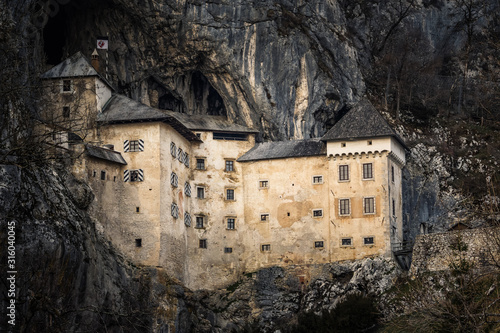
column 55, row 33
column 206, row 100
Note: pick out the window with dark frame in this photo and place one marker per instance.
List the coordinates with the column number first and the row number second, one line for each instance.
column 265, row 247
column 228, row 250
column 200, row 221
column 369, row 205
column 264, row 217
column 318, row 212
column 103, row 175
column 368, row 241
column 203, row 243
column 229, row 194
column 231, row 223
column 318, row 244
column 66, row 85
column 344, row 206
column 229, row 166
column 367, row 171
column 346, row 241
column 393, row 207
column 200, row 192
column 200, row 164
column 343, row 172
column 263, row 183
column 66, row 111
column 392, row 173
column 317, row 179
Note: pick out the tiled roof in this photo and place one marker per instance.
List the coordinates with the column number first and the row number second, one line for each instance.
column 361, row 121
column 75, row 66
column 284, row 149
column 105, row 154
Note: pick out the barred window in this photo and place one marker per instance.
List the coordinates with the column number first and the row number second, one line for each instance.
column 229, row 165
column 265, row 247
column 317, row 212
column 343, row 172
column 344, row 206
column 174, row 179
column 200, row 164
column 369, row 205
column 317, row 179
column 367, row 171
column 187, row 189
column 203, row 243
column 174, row 210
column 231, row 223
column 187, row 219
column 318, row 244
column 173, row 149
column 264, row 183
column 200, row 221
column 230, row 194
column 228, row 250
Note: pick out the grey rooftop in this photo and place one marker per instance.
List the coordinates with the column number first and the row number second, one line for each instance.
column 284, row 149
column 105, row 154
column 362, row 121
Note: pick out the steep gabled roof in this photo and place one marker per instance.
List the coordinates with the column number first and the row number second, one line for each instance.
column 284, row 149
column 362, row 121
column 105, row 154
column 75, row 66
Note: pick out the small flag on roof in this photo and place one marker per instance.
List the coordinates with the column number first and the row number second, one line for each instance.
column 102, row 43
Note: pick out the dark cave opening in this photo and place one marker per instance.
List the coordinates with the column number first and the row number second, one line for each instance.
column 55, row 34
column 201, row 89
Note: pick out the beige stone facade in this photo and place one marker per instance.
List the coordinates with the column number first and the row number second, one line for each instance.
column 197, row 196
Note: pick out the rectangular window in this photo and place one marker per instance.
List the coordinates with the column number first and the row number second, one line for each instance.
column 133, row 175
column 138, row 242
column 368, row 241
column 203, row 243
column 392, row 173
column 230, row 223
column 265, row 247
column 200, row 164
column 393, row 207
column 137, row 209
column 228, row 250
column 346, row 241
column 174, row 179
column 200, row 221
column 66, row 85
column 187, row 189
column 173, row 149
column 343, row 172
column 103, row 175
column 317, row 179
column 229, row 136
column 229, row 166
column 369, row 205
column 263, row 184
column 187, row 219
column 186, row 160
column 66, row 111
column 318, row 244
column 133, row 145
column 180, row 155
column 229, row 194
column 344, row 206
column 369, row 142
column 264, row 217
column 174, row 210
column 367, row 171
column 317, row 212
column 200, row 192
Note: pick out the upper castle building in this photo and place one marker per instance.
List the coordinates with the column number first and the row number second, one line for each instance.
column 199, row 197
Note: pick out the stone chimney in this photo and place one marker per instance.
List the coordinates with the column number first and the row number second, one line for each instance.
column 95, row 61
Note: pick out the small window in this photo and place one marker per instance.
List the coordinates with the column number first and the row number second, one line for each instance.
column 174, row 179
column 187, row 219
column 264, row 217
column 198, row 135
column 317, row 212
column 229, row 136
column 317, row 179
column 138, row 242
column 393, row 207
column 114, row 178
column 367, row 171
column 187, row 189
column 343, row 172
column 66, row 85
column 203, row 243
column 103, row 175
column 369, row 142
column 133, row 175
column 318, row 244
column 136, row 145
column 265, row 247
column 368, row 241
column 200, row 192
column 228, row 250
column 137, row 209
column 186, row 160
column 229, row 166
column 180, row 155
column 342, row 144
column 200, row 164
column 264, row 184
column 229, row 194
column 369, row 205
column 66, row 111
column 392, row 173
column 344, row 206
column 174, row 210
column 173, row 149
column 94, row 173
column 200, row 222
column 346, row 241
column 231, row 223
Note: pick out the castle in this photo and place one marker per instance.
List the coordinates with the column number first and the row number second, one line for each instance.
column 199, row 197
